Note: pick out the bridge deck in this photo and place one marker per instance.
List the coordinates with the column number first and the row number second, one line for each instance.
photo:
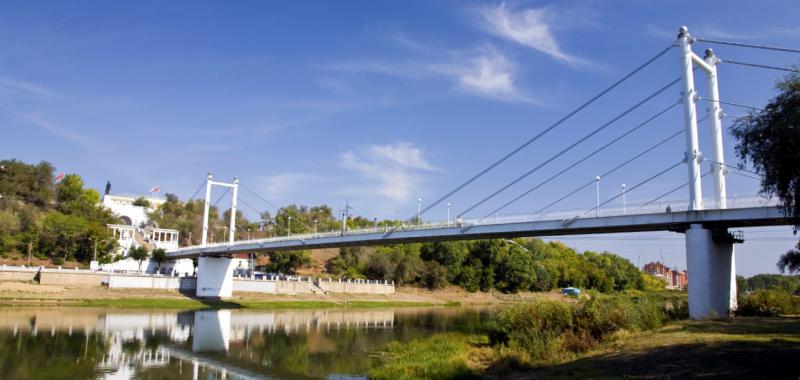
column 759, row 215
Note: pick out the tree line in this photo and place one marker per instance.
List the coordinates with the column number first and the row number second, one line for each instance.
column 42, row 219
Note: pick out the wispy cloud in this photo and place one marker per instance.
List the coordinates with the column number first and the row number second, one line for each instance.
column 391, row 171
column 528, row 27
column 60, row 131
column 25, row 86
column 484, row 72
column 283, row 185
column 489, row 74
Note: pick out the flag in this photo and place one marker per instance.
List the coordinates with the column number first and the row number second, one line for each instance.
column 155, row 189
column 59, row 177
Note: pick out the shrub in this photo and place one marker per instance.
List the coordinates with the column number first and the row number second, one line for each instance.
column 768, row 302
column 550, row 331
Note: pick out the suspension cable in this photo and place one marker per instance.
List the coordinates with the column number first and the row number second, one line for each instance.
column 221, row 195
column 567, row 149
column 732, row 104
column 259, row 197
column 741, row 44
column 735, row 167
column 576, row 163
column 761, row 66
column 620, row 166
column 670, row 192
column 748, row 176
column 542, row 133
column 197, row 191
column 635, row 186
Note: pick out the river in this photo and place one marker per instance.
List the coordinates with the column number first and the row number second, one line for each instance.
column 84, row 343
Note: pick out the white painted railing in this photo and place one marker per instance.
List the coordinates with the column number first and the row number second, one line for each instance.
column 604, row 212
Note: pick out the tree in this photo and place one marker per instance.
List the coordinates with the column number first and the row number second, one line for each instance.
column 159, row 255
column 139, row 254
column 142, row 202
column 287, row 261
column 770, row 140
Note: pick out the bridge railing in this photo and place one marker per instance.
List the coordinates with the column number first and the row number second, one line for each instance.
column 648, row 208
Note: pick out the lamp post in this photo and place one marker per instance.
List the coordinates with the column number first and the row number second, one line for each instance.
column 448, row 214
column 419, row 211
column 623, row 199
column 289, row 226
column 248, row 234
column 315, row 227
column 597, row 188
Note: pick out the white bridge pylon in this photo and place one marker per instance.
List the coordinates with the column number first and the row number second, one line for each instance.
column 711, row 263
column 235, row 186
column 215, row 274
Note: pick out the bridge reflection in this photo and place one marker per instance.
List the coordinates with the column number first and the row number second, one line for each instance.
column 196, row 342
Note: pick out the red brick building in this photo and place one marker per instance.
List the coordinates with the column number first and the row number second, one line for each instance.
column 674, row 278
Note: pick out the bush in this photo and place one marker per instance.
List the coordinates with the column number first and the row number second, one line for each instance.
column 58, row 261
column 435, row 275
column 551, row 331
column 768, row 302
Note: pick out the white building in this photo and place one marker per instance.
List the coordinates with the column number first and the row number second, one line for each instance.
column 135, row 232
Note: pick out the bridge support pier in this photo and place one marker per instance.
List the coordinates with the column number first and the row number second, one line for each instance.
column 214, row 277
column 711, row 267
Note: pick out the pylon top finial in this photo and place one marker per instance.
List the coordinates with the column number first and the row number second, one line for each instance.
column 683, row 31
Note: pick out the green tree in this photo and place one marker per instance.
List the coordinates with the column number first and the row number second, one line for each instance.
column 770, row 140
column 159, row 255
column 139, row 254
column 287, row 262
column 141, row 202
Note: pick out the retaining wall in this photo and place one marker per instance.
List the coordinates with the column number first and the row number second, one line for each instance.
column 357, row 287
column 68, row 277
column 26, row 274
column 293, row 287
column 259, row 286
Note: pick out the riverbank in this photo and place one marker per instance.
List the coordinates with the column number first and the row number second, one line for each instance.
column 29, row 293
column 743, row 347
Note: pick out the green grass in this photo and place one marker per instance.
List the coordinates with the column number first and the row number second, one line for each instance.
column 379, row 304
column 189, row 304
column 441, row 356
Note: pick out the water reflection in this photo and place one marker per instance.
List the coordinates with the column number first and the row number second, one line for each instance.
column 76, row 343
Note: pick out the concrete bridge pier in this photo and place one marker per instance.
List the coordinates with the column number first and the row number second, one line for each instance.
column 711, row 265
column 214, row 277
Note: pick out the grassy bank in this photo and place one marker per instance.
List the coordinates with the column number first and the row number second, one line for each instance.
column 186, row 304
column 631, row 335
column 744, row 347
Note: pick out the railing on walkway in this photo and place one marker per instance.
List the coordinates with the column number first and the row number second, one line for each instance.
column 648, row 208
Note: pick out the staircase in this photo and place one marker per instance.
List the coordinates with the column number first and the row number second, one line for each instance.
column 140, row 240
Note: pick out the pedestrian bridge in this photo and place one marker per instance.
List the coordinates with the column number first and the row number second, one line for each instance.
column 673, row 216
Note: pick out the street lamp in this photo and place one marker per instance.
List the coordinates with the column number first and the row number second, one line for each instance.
column 623, row 199
column 248, row 234
column 289, row 227
column 419, row 211
column 597, row 187
column 448, row 214
column 315, row 227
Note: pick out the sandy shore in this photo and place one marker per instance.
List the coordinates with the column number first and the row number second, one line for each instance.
column 24, row 293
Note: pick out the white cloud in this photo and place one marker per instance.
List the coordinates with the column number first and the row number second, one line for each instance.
column 489, row 74
column 529, row 27
column 485, row 72
column 20, row 85
column 392, row 171
column 283, row 186
column 57, row 130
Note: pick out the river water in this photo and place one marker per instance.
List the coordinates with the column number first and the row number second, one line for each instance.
column 82, row 343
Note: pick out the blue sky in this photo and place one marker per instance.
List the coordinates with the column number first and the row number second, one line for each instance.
column 378, row 103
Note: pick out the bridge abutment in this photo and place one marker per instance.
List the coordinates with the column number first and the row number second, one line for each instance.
column 711, row 266
column 214, row 277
